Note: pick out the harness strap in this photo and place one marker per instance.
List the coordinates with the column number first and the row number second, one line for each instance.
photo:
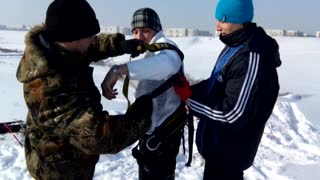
column 166, row 85
column 168, row 127
column 190, row 138
column 162, row 46
column 174, row 123
column 125, row 89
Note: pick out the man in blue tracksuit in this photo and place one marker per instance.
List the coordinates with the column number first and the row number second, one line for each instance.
column 235, row 103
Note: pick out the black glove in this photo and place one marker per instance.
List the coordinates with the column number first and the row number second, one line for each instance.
column 134, row 47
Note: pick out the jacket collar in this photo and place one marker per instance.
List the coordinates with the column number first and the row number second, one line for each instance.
column 156, row 37
column 240, row 36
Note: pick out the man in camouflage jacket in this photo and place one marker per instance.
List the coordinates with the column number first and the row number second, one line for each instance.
column 66, row 126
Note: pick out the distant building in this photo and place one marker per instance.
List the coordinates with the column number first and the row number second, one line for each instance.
column 116, row 29
column 294, row 33
column 125, row 30
column 204, row 33
column 318, row 34
column 308, row 35
column 176, row 32
column 184, row 32
column 193, row 32
column 24, row 27
column 110, row 29
column 3, row 26
column 289, row 33
column 276, row 32
column 15, row 27
column 18, row 27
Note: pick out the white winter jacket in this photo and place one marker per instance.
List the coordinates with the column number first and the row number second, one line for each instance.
column 153, row 70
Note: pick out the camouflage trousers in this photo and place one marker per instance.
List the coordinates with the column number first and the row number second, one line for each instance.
column 61, row 166
column 65, row 171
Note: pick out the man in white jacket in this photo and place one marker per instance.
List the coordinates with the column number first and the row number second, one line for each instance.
column 155, row 155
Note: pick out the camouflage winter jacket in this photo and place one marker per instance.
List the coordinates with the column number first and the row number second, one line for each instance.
column 66, row 126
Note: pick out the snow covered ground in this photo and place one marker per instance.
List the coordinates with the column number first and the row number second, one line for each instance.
column 290, row 147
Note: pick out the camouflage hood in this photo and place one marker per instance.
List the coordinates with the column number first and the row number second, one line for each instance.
column 34, row 62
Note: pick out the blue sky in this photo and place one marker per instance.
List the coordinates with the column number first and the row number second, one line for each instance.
column 300, row 15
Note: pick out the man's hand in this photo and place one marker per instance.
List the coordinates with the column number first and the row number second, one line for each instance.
column 108, row 83
column 134, row 47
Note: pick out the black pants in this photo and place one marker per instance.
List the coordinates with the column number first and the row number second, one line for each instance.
column 216, row 171
column 159, row 164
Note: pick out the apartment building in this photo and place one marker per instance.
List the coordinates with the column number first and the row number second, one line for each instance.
column 294, row 33
column 116, row 29
column 176, row 32
column 184, row 32
column 276, row 32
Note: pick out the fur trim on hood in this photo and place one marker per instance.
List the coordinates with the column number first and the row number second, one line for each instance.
column 34, row 62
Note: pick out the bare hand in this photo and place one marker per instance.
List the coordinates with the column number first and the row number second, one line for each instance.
column 108, row 84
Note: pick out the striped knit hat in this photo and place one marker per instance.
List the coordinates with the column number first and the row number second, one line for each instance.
column 146, row 18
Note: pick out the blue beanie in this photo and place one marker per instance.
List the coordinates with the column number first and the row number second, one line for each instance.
column 234, row 11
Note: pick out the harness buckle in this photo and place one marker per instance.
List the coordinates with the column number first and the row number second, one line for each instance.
column 154, row 146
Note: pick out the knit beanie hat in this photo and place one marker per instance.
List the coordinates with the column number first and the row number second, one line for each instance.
column 234, row 11
column 70, row 20
column 146, row 18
